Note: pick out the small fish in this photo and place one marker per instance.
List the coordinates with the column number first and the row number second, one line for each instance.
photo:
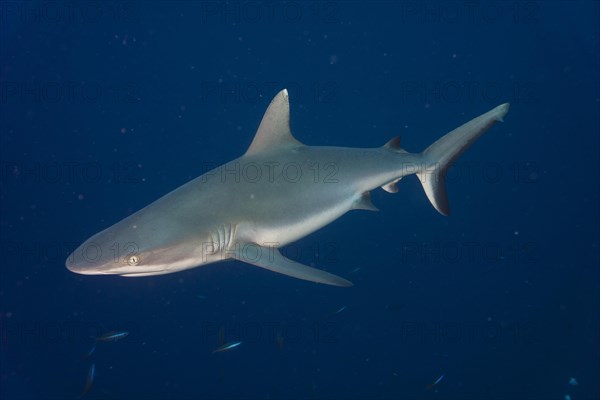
column 112, row 336
column 355, row 270
column 336, row 312
column 89, row 381
column 434, row 383
column 573, row 382
column 226, row 347
column 92, row 350
column 341, row 309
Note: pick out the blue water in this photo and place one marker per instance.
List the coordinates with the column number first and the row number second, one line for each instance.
column 106, row 106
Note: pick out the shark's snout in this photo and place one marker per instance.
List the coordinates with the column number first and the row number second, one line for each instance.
column 78, row 264
column 72, row 265
column 90, row 259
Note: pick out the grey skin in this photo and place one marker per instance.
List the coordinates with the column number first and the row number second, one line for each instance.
column 279, row 191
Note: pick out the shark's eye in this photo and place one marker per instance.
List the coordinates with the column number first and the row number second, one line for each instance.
column 133, row 260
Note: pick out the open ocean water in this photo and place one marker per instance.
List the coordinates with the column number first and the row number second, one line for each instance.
column 107, row 105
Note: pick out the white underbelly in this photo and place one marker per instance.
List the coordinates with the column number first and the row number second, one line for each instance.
column 291, row 229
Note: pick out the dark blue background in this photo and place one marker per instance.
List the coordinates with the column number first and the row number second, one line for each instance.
column 107, row 106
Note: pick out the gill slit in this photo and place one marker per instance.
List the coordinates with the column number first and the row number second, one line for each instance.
column 223, row 237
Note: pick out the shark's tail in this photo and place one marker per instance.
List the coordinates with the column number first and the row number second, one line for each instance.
column 438, row 157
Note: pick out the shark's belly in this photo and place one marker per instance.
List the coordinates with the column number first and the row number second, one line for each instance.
column 284, row 231
column 283, row 215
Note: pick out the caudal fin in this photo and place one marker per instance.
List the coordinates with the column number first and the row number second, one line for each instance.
column 438, row 157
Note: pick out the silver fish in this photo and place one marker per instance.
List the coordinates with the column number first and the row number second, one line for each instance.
column 227, row 347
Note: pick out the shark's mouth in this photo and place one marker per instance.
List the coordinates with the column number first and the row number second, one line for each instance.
column 147, row 273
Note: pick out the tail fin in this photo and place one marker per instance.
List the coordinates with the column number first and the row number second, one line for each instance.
column 440, row 155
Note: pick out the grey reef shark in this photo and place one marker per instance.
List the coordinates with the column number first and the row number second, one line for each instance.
column 279, row 191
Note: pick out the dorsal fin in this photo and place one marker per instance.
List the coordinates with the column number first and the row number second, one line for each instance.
column 274, row 130
column 394, row 143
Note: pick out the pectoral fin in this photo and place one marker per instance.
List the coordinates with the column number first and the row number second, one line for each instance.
column 270, row 258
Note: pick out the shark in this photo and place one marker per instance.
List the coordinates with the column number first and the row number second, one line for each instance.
column 279, row 191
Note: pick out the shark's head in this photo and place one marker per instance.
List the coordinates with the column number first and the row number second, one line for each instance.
column 128, row 250
column 105, row 254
